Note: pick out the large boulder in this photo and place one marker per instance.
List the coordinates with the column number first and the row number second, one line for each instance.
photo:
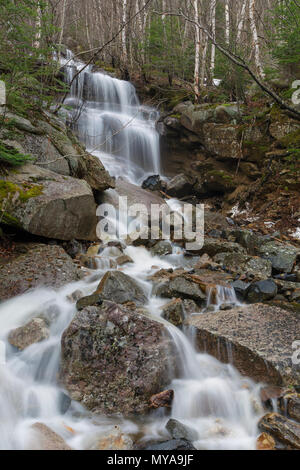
column 222, row 140
column 183, row 286
column 134, row 194
column 179, row 186
column 244, row 264
column 36, row 266
column 214, row 246
column 120, row 288
column 115, row 359
column 47, row 204
column 280, row 129
column 257, row 339
column 261, row 291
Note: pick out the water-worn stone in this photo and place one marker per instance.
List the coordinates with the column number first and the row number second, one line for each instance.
column 33, row 332
column 290, row 403
column 89, row 301
column 93, row 172
column 162, row 248
column 174, row 444
column 183, row 287
column 173, row 312
column 179, row 186
column 241, row 289
column 282, row 429
column 261, row 291
column 46, row 439
column 115, row 359
column 265, row 442
column 38, row 265
column 282, row 257
column 120, row 288
column 116, row 440
column 162, row 400
column 153, row 183
column 257, row 339
column 244, row 264
column 213, row 246
column 179, row 430
column 48, row 204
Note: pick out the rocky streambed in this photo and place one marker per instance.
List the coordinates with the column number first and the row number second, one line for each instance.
column 122, row 344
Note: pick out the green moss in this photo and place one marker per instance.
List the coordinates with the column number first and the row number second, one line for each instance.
column 176, row 116
column 291, row 140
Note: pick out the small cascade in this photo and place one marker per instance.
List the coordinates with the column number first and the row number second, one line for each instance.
column 108, row 118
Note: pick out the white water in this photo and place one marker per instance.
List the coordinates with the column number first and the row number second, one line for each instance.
column 221, row 406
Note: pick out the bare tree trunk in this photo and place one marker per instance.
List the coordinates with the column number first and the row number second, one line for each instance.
column 255, row 39
column 124, row 32
column 62, row 26
column 197, row 52
column 38, row 27
column 241, row 21
column 213, row 47
column 227, row 22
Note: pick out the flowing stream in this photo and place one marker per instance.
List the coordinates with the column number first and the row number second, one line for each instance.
column 220, row 405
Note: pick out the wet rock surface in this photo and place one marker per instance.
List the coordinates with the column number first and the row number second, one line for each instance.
column 257, row 339
column 179, row 430
column 283, row 430
column 33, row 332
column 174, row 444
column 46, row 439
column 38, row 265
column 114, row 359
column 120, row 288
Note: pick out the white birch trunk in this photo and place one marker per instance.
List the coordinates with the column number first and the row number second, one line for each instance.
column 197, row 52
column 227, row 23
column 256, row 47
column 38, row 28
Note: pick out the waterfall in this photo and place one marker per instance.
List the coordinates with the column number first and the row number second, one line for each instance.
column 109, row 119
column 220, row 405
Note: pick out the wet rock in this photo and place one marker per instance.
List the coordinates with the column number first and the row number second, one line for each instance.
column 93, row 172
column 120, row 288
column 173, row 312
column 162, row 248
column 181, row 431
column 182, row 286
column 40, row 265
column 33, row 332
column 124, row 259
column 213, row 246
column 179, row 186
column 153, row 183
column 47, row 204
column 290, row 404
column 64, row 403
column 282, row 257
column 265, row 442
column 174, row 444
column 134, row 194
column 75, row 296
column 116, row 440
column 261, row 291
column 89, row 301
column 244, row 264
column 115, row 359
column 268, row 394
column 282, row 429
column 265, row 354
column 162, row 400
column 93, row 250
column 46, row 439
column 88, row 262
column 241, row 289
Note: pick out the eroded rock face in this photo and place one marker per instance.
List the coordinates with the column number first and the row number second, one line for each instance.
column 258, row 339
column 120, row 288
column 50, row 205
column 282, row 257
column 39, row 265
column 282, row 429
column 244, row 264
column 115, row 359
column 33, row 332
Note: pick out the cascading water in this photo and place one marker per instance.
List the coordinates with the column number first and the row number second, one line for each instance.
column 222, row 407
column 110, row 121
